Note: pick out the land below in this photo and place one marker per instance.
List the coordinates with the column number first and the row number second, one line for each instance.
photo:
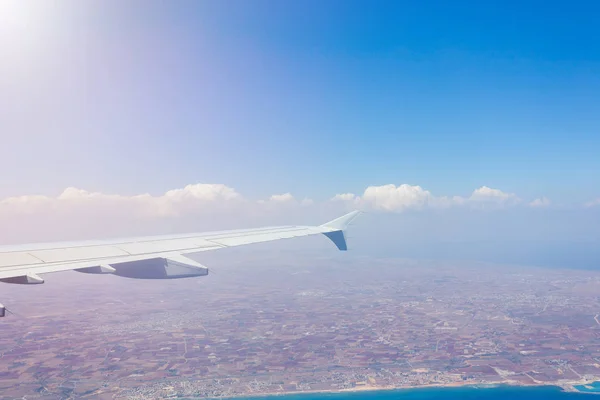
column 282, row 323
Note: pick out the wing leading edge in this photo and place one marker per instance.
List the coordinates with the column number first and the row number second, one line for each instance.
column 152, row 257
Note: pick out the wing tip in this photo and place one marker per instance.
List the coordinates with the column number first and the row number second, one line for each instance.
column 341, row 223
column 338, row 238
column 338, row 226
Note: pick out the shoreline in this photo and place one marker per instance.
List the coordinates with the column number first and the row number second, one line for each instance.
column 563, row 386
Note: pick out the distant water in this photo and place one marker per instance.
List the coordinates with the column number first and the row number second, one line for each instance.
column 463, row 393
column 592, row 388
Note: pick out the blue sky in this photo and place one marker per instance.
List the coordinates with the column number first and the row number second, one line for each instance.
column 314, row 98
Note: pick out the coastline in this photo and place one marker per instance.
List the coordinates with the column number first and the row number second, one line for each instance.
column 568, row 386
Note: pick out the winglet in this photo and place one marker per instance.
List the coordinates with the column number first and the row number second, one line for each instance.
column 339, row 225
column 342, row 222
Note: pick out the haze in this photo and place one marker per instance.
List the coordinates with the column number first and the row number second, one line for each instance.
column 148, row 117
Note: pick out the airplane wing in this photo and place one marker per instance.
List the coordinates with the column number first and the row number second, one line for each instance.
column 152, row 257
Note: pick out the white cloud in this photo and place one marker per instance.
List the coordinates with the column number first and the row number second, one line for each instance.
column 487, row 194
column 540, row 202
column 25, row 204
column 396, row 198
column 404, row 197
column 174, row 202
column 283, row 201
column 80, row 213
column 208, row 198
column 593, row 203
column 77, row 213
column 204, row 192
column 349, row 200
column 345, row 197
column 282, row 198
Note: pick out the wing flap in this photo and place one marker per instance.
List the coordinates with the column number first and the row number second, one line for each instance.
column 154, row 246
column 44, row 268
column 13, row 258
column 78, row 253
column 171, row 267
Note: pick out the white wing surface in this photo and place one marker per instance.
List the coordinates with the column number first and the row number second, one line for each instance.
column 152, row 257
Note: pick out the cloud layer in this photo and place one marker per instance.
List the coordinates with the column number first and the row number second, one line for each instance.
column 191, row 198
column 392, row 198
column 80, row 213
column 540, row 202
column 209, row 198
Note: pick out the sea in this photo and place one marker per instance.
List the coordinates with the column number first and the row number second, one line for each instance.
column 460, row 393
